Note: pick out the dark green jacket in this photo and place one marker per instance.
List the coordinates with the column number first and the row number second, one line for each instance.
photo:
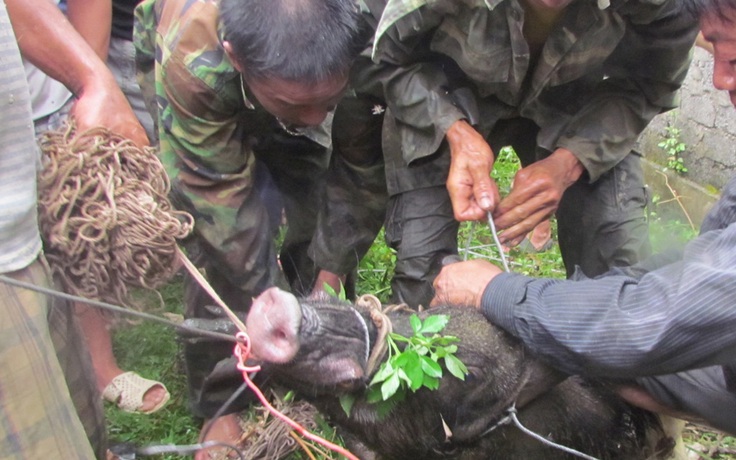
column 600, row 78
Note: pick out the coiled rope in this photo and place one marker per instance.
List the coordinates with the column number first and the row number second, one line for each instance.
column 104, row 214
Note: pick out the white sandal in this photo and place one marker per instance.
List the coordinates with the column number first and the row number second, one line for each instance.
column 128, row 389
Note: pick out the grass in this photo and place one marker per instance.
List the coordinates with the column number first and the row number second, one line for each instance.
column 152, row 349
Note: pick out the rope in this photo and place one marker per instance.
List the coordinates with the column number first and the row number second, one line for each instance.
column 379, row 316
column 104, row 214
column 511, row 411
column 384, row 326
column 116, row 309
column 512, row 414
column 107, row 226
column 498, row 243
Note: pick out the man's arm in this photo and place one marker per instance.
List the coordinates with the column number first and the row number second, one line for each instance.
column 678, row 317
column 93, row 20
column 605, row 129
column 49, row 41
column 415, row 89
column 673, row 318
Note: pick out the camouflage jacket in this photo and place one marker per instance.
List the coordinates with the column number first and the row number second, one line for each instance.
column 206, row 123
column 208, row 127
column 602, row 74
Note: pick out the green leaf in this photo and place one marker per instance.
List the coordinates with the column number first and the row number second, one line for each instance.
column 389, row 387
column 416, row 324
column 404, row 359
column 417, row 365
column 434, row 324
column 413, row 370
column 383, row 373
column 431, row 382
column 431, row 368
column 398, row 338
column 456, row 367
column 403, row 378
column 373, row 395
column 346, row 402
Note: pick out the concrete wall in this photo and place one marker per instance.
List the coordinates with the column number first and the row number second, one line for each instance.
column 707, row 121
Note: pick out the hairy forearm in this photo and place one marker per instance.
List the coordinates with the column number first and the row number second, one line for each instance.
column 48, row 40
column 93, row 20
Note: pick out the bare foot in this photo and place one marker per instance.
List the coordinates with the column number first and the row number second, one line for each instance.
column 225, row 429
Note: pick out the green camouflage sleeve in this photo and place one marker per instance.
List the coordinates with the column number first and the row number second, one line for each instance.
column 198, row 99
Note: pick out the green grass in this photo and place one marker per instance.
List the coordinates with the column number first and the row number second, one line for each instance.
column 152, row 349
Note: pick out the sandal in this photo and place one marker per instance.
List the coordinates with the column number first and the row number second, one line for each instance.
column 128, row 389
column 526, row 246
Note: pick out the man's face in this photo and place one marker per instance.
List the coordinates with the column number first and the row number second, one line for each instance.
column 722, row 34
column 296, row 103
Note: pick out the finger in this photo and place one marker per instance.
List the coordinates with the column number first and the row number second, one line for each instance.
column 485, row 190
column 515, row 234
column 471, row 213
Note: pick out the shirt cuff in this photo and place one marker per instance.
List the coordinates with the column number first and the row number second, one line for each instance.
column 501, row 297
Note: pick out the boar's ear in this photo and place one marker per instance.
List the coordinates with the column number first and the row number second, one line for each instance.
column 273, row 326
column 542, row 378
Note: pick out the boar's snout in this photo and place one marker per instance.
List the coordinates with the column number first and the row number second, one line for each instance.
column 273, row 326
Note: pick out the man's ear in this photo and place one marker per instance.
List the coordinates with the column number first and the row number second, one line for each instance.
column 230, row 55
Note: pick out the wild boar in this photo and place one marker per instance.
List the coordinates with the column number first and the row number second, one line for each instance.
column 320, row 348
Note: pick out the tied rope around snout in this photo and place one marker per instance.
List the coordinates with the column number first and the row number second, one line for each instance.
column 379, row 316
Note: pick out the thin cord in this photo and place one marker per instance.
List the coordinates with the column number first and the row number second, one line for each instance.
column 512, row 410
column 512, row 413
column 498, row 243
column 115, row 308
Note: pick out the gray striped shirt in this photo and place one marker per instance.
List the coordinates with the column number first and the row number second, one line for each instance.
column 20, row 242
column 649, row 320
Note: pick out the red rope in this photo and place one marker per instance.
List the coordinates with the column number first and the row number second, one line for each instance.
column 242, row 351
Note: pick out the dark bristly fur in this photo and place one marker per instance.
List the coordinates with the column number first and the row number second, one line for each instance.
column 576, row 413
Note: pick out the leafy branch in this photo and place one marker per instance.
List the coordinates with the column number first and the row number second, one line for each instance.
column 673, row 147
column 415, row 366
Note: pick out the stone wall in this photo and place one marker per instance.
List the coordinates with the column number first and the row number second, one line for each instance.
column 707, row 122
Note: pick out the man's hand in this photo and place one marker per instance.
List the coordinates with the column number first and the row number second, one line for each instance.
column 472, row 191
column 536, row 194
column 463, row 283
column 48, row 40
column 102, row 103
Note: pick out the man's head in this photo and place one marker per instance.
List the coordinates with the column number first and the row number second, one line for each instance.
column 718, row 25
column 294, row 55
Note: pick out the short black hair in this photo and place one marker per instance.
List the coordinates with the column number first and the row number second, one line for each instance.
column 723, row 9
column 295, row 40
